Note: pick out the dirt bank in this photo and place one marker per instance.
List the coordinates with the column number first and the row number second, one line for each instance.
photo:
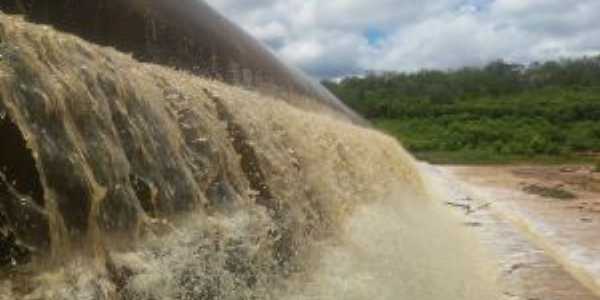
column 554, row 210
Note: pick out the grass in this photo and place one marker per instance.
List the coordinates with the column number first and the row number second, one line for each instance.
column 550, row 192
column 475, row 157
column 495, row 143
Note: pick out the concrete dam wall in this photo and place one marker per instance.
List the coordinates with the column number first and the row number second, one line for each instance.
column 185, row 34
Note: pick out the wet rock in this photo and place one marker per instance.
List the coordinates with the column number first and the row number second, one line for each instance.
column 556, row 192
column 473, row 224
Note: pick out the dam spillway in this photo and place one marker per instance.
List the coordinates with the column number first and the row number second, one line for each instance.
column 184, row 34
column 122, row 179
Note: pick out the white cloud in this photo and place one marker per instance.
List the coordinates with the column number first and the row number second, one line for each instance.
column 339, row 37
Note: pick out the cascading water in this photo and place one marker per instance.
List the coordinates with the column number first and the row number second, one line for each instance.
column 184, row 34
column 128, row 180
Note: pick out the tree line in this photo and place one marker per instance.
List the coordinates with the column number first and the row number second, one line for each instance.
column 500, row 109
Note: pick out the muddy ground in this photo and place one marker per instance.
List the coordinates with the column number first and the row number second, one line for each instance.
column 554, row 209
column 569, row 190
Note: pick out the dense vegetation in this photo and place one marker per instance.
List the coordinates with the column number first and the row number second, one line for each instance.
column 498, row 112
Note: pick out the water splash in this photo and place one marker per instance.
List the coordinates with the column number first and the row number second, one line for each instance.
column 162, row 185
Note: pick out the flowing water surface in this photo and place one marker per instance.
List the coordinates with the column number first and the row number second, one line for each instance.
column 126, row 180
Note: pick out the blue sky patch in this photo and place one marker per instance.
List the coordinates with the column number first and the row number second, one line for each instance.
column 374, row 35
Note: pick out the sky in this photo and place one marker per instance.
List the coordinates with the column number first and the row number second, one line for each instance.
column 336, row 38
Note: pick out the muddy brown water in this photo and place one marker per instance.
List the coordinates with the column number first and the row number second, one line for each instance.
column 153, row 183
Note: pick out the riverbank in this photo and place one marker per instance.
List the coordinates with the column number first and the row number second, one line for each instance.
column 541, row 221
